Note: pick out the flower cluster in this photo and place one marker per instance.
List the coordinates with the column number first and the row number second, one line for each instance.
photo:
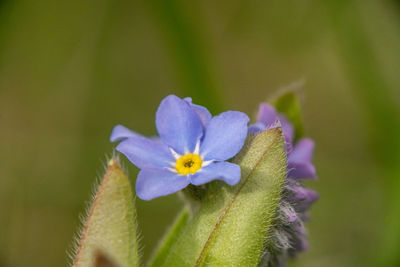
column 290, row 235
column 192, row 148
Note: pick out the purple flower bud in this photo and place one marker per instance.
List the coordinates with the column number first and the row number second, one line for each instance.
column 290, row 234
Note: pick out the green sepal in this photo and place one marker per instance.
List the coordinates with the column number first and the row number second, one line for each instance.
column 110, row 227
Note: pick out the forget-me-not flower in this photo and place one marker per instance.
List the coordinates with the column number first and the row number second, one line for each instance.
column 193, row 148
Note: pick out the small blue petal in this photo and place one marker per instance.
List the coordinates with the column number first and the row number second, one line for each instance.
column 299, row 160
column 225, row 171
column 303, row 151
column 267, row 114
column 203, row 113
column 303, row 194
column 288, row 131
column 301, row 170
column 256, row 128
column 178, row 125
column 225, row 136
column 120, row 133
column 146, row 153
column 152, row 183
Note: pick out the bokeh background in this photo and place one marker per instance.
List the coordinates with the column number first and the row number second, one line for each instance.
column 71, row 70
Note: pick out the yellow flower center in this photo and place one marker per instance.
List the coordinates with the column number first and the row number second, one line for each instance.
column 189, row 163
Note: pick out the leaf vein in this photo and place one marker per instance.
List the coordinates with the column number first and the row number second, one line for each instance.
column 230, row 204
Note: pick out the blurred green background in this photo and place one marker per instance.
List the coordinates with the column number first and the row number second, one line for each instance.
column 71, row 70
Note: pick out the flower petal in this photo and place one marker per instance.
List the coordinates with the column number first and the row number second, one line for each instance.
column 288, row 131
column 225, row 171
column 146, row 153
column 121, row 132
column 303, row 151
column 203, row 113
column 225, row 136
column 302, row 196
column 299, row 160
column 152, row 183
column 256, row 128
column 303, row 204
column 178, row 125
column 266, row 114
column 301, row 170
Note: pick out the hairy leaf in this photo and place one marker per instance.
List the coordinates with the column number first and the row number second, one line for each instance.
column 110, row 226
column 232, row 223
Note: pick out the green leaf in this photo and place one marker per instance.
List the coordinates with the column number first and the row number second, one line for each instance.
column 288, row 104
column 170, row 238
column 232, row 223
column 110, row 226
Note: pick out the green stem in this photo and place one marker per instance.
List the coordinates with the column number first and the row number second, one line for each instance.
column 171, row 236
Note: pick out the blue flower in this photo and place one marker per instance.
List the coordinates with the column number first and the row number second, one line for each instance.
column 192, row 149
